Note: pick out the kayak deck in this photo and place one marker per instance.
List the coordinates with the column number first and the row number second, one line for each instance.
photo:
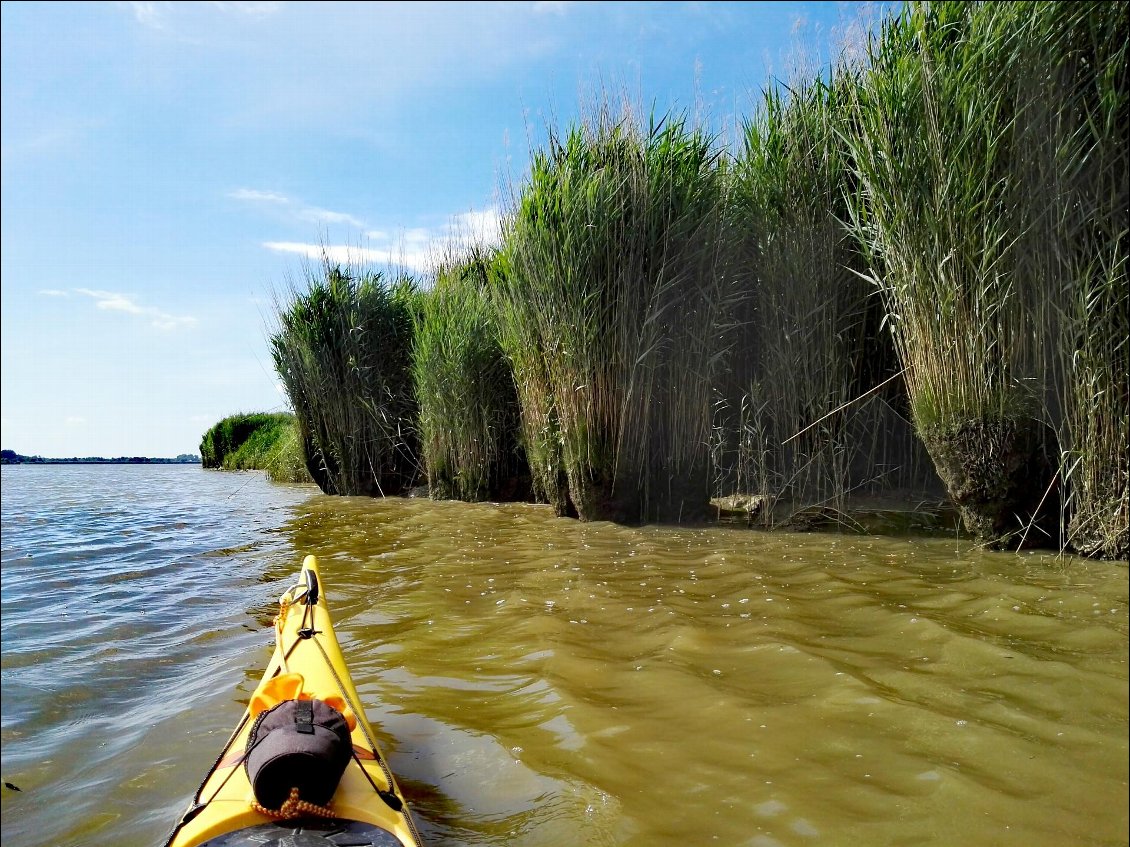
column 367, row 806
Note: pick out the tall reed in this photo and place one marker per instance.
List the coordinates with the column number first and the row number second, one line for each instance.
column 469, row 416
column 616, row 262
column 524, row 347
column 343, row 352
column 1068, row 77
column 931, row 141
column 816, row 382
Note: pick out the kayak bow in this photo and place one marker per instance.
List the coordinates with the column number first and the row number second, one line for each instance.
column 302, row 747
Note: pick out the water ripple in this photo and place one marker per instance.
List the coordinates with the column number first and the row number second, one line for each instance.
column 538, row 681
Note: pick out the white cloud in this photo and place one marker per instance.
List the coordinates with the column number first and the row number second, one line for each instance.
column 312, row 213
column 158, row 15
column 417, row 260
column 152, row 15
column 75, row 420
column 112, row 301
column 417, row 236
column 255, row 196
column 53, row 292
column 478, row 227
column 251, row 9
column 299, row 210
column 551, row 7
column 115, row 302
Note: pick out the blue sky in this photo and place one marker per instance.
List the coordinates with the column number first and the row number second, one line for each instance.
column 168, row 167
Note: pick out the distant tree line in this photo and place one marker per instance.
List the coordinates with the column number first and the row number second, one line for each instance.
column 11, row 457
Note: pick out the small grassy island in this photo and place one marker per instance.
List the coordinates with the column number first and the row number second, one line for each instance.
column 259, row 441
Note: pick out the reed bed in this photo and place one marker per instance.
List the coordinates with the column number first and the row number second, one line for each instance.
column 930, row 148
column 616, row 275
column 227, row 435
column 913, row 273
column 343, row 351
column 469, row 414
column 539, row 426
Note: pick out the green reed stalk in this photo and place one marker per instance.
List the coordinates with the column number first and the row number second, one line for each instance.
column 810, row 345
column 284, row 460
column 343, row 351
column 617, row 266
column 468, row 404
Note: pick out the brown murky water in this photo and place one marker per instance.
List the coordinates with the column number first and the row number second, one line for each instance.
column 539, row 681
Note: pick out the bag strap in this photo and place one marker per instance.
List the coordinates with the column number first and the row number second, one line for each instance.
column 304, row 716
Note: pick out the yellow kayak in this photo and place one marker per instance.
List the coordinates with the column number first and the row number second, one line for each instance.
column 303, row 764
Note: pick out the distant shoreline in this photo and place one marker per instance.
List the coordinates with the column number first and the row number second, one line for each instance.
column 10, row 457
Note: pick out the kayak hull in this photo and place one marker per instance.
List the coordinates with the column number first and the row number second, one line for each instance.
column 308, row 833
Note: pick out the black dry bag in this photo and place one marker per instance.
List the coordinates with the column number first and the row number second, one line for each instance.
column 301, row 744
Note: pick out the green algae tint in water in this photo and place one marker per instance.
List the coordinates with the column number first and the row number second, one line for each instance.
column 539, row 681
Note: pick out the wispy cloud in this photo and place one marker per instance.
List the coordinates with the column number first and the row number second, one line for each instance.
column 418, row 249
column 325, row 216
column 346, row 255
column 551, row 7
column 158, row 15
column 114, row 302
column 75, row 420
column 299, row 210
column 152, row 15
column 53, row 292
column 251, row 9
column 253, row 196
column 478, row 227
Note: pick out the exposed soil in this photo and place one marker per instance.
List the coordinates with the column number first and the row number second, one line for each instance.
column 1001, row 476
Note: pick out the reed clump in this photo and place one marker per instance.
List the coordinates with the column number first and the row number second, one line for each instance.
column 1071, row 198
column 539, row 426
column 810, row 409
column 226, row 436
column 343, row 351
column 931, row 148
column 616, row 275
column 468, row 404
column 990, row 142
